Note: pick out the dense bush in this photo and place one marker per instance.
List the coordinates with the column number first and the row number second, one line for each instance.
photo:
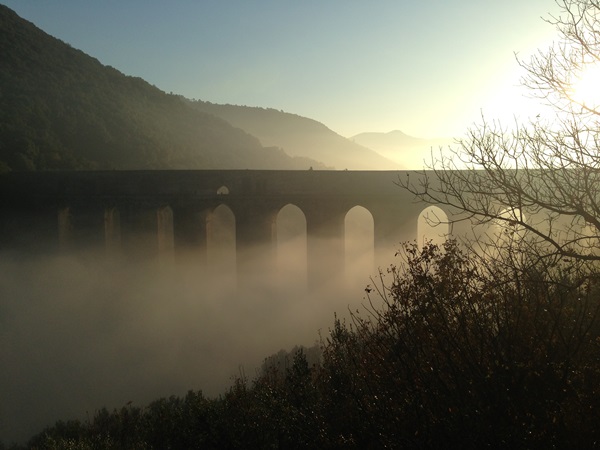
column 451, row 351
column 473, row 354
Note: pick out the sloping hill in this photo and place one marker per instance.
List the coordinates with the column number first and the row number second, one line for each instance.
column 62, row 109
column 299, row 136
column 409, row 151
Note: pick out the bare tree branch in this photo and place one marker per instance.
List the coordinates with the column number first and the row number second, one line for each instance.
column 546, row 173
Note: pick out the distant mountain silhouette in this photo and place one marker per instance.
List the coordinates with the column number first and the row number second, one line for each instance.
column 299, row 136
column 411, row 152
column 62, row 109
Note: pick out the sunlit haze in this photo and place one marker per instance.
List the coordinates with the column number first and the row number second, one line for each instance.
column 586, row 88
column 95, row 324
column 426, row 68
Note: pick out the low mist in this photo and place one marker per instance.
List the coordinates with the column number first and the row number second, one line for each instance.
column 82, row 333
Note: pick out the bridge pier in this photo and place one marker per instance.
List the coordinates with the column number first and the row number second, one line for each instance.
column 112, row 232
column 256, row 246
column 29, row 229
column 146, row 232
column 81, row 228
column 392, row 227
column 325, row 241
column 190, row 235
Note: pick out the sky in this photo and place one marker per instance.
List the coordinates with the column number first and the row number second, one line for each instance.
column 428, row 68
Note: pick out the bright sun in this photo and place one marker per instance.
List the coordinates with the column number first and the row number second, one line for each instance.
column 586, row 89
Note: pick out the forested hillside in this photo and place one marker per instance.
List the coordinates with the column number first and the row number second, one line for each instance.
column 62, row 109
column 299, row 136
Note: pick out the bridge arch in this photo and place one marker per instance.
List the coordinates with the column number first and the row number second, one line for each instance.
column 291, row 241
column 506, row 232
column 432, row 225
column 223, row 190
column 359, row 243
column 221, row 242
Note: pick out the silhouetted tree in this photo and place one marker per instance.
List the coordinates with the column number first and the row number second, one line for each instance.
column 545, row 173
column 469, row 353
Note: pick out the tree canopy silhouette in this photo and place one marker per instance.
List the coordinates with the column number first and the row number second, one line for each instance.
column 546, row 171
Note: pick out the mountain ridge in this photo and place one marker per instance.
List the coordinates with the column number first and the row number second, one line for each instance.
column 299, row 136
column 412, row 152
column 62, row 109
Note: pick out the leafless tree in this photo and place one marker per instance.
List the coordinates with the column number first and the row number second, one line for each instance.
column 543, row 176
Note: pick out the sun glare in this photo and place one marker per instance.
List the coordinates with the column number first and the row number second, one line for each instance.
column 586, row 89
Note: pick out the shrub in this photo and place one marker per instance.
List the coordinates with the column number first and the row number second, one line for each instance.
column 471, row 353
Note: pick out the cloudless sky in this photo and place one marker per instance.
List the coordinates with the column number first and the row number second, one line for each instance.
column 428, row 68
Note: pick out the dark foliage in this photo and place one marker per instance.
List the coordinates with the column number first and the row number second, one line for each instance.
column 468, row 353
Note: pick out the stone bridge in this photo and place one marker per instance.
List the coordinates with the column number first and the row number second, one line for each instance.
column 142, row 214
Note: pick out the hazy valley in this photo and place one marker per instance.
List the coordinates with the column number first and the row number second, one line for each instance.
column 181, row 268
column 82, row 333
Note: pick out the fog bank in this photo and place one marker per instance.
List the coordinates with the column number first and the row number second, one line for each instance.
column 79, row 334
